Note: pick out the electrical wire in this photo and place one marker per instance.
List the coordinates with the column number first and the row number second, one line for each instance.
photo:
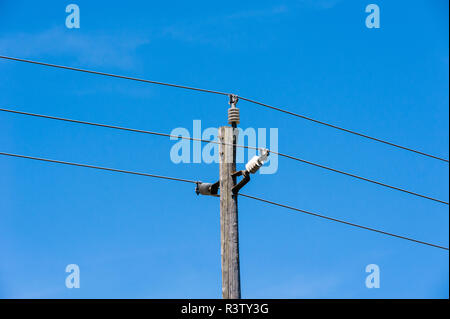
column 124, row 128
column 228, row 94
column 343, row 221
column 196, row 182
column 216, row 142
column 98, row 167
column 361, row 178
column 344, row 129
column 113, row 75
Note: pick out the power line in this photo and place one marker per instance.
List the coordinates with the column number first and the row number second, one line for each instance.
column 343, row 222
column 228, row 94
column 113, row 75
column 122, row 128
column 362, row 178
column 195, row 182
column 344, row 129
column 98, row 167
column 216, row 142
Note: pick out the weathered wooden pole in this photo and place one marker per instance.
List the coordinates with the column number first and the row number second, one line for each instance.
column 229, row 235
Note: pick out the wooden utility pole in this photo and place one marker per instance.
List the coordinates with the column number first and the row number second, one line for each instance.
column 229, row 236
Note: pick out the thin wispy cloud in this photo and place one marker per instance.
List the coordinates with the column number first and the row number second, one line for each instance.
column 319, row 4
column 207, row 31
column 90, row 50
column 246, row 14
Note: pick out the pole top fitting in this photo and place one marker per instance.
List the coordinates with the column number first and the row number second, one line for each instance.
column 233, row 100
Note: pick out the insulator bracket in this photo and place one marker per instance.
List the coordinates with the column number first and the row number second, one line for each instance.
column 243, row 181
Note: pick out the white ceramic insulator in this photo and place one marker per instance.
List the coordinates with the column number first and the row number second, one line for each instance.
column 253, row 165
column 233, row 115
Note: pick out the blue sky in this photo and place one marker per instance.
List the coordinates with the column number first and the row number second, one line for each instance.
column 136, row 237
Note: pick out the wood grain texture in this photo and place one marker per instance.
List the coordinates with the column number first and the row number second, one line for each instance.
column 229, row 234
